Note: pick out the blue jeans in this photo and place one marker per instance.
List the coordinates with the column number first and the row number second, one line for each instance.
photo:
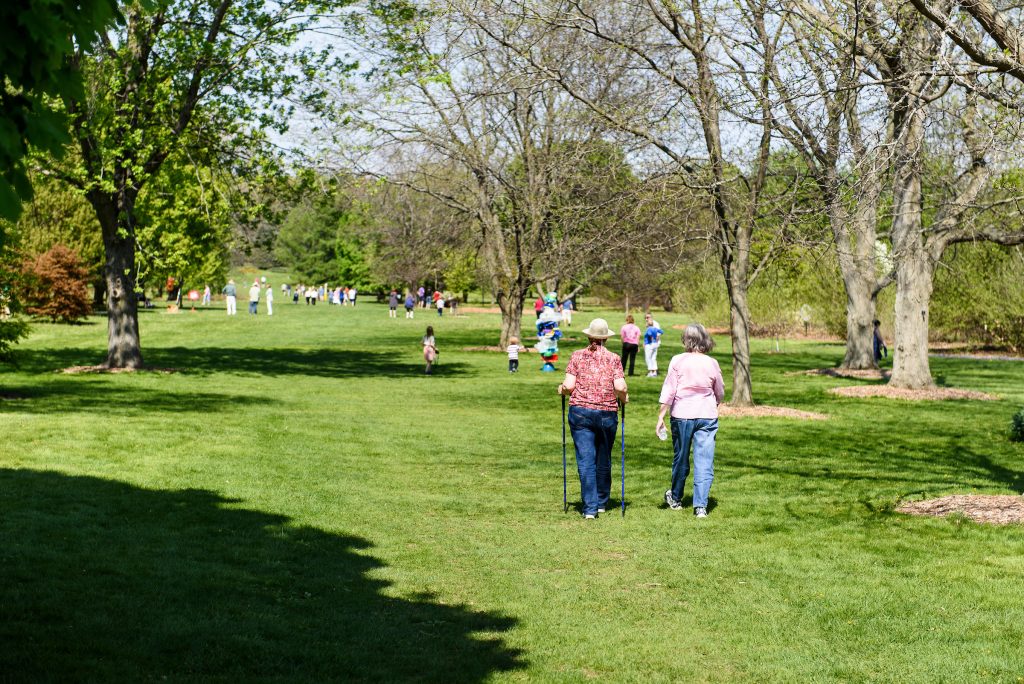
column 593, row 436
column 252, row 307
column 701, row 433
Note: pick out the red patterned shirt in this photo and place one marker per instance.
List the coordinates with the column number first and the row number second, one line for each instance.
column 596, row 372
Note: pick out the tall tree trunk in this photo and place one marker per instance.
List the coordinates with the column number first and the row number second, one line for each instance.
column 910, row 366
column 855, row 234
column 511, row 305
column 860, row 316
column 739, row 329
column 914, row 268
column 99, row 293
column 124, row 349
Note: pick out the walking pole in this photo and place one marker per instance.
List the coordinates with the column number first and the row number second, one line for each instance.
column 623, row 477
column 565, row 496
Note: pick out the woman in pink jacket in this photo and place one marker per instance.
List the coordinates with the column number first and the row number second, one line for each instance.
column 692, row 391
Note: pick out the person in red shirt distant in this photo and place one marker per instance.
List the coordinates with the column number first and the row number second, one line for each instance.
column 538, row 306
column 594, row 384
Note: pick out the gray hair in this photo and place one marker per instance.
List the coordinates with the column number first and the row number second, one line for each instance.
column 697, row 339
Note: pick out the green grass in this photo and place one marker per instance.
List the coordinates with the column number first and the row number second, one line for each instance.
column 299, row 503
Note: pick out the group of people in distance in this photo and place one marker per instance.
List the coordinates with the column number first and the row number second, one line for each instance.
column 595, row 384
column 259, row 286
column 630, row 335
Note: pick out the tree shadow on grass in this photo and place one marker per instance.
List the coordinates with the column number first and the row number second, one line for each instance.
column 95, row 394
column 274, row 362
column 104, row 581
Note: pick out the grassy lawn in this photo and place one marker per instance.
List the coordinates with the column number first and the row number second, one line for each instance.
column 299, row 503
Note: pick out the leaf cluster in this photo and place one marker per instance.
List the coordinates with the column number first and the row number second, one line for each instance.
column 35, row 38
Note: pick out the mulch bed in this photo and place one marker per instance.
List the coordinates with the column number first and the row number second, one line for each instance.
column 982, row 508
column 79, row 370
column 931, row 394
column 478, row 309
column 868, row 374
column 727, row 411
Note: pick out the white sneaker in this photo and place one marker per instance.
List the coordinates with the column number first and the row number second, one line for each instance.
column 700, row 512
column 600, row 510
column 589, row 516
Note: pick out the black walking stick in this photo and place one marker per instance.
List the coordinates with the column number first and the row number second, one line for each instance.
column 623, row 442
column 565, row 496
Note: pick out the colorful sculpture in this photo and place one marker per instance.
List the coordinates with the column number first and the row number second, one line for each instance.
column 548, row 333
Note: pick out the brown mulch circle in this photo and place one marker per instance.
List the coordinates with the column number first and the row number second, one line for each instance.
column 982, row 508
column 869, row 374
column 79, row 370
column 768, row 412
column 932, row 394
column 479, row 309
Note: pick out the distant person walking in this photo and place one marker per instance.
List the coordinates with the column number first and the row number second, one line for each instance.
column 352, row 295
column 422, row 294
column 206, row 296
column 270, row 300
column 230, row 297
column 393, row 304
column 410, row 304
column 630, row 335
column 877, row 343
column 652, row 342
column 429, row 349
column 439, row 303
column 692, row 391
column 254, row 297
column 594, row 383
column 538, row 306
column 567, row 307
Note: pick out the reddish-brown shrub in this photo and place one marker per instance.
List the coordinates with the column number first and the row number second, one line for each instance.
column 56, row 285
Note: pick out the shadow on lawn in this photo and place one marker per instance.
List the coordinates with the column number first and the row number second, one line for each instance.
column 331, row 363
column 103, row 581
column 69, row 394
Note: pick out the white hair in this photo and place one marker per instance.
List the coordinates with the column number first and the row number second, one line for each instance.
column 697, row 339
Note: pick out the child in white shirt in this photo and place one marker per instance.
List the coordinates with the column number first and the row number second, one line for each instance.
column 513, row 355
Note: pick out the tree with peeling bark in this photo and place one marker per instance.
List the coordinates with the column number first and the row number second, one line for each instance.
column 835, row 118
column 177, row 75
column 912, row 59
column 521, row 159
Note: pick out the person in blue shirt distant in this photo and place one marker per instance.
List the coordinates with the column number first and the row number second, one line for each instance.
column 567, row 312
column 652, row 341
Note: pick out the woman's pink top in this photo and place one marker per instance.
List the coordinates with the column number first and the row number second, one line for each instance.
column 595, row 372
column 693, row 386
column 630, row 333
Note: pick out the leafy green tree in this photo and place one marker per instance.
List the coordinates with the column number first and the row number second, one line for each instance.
column 320, row 242
column 460, row 275
column 180, row 76
column 35, row 38
column 183, row 226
